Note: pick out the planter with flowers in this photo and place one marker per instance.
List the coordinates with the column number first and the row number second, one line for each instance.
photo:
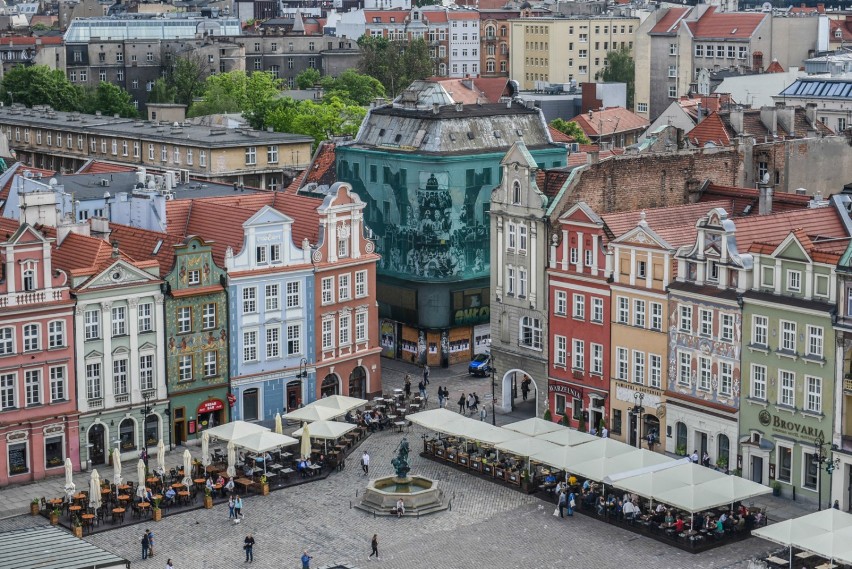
column 34, row 507
column 264, row 485
column 156, row 512
column 208, row 498
column 54, row 516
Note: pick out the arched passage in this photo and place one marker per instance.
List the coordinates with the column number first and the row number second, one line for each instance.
column 513, row 391
column 330, row 385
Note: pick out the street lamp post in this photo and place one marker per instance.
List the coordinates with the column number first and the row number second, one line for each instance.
column 493, row 396
column 637, row 412
column 147, row 408
column 830, row 465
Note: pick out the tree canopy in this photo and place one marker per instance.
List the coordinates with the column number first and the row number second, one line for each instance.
column 161, row 92
column 331, row 117
column 352, row 86
column 308, row 78
column 572, row 129
column 395, row 64
column 110, row 100
column 620, row 69
column 185, row 73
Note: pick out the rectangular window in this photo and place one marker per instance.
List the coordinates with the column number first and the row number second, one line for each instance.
column 251, row 155
column 31, row 337
column 621, row 363
column 786, row 388
column 202, row 158
column 561, row 302
column 56, row 334
column 184, row 319
column 522, row 238
column 294, row 339
column 146, row 318
column 579, row 306
column 638, row 366
column 510, row 281
column 727, row 324
column 760, row 331
column 704, row 373
column 17, row 457
column 815, row 341
column 726, row 378
column 684, row 375
column 578, row 355
column 32, row 386
column 7, row 344
column 641, row 269
column 7, row 391
column 119, row 376
column 208, row 316
column 327, row 287
column 210, row 364
column 785, row 464
column 656, row 316
column 813, row 395
column 597, row 310
column 655, row 378
column 250, row 346
column 788, row 336
column 361, row 326
column 522, row 283
column 185, row 368
column 588, row 257
column 146, row 372
column 561, row 352
column 272, row 154
column 119, row 320
column 344, row 326
column 685, row 321
column 343, row 287
column 93, row 381
column 794, row 281
column 758, row 382
column 249, row 300
column 294, row 294
column 194, row 277
column 623, row 310
column 260, row 255
column 574, row 255
column 273, row 342
column 597, row 359
column 639, row 313
column 810, row 466
column 360, row 284
column 57, row 384
column 271, row 297
column 327, row 334
column 705, row 318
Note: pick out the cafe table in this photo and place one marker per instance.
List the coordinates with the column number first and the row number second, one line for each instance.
column 56, row 501
column 124, row 487
column 118, row 515
column 245, row 483
column 145, row 507
column 826, row 566
column 88, row 521
column 804, row 555
column 73, row 510
column 184, row 496
column 777, row 561
column 199, row 481
column 177, row 485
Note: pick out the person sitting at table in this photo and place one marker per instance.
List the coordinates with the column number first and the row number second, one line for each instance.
column 550, row 479
column 368, row 422
column 629, row 510
column 679, row 525
column 148, row 496
column 587, row 485
column 220, row 482
column 572, row 480
column 669, row 519
column 400, row 508
column 349, row 418
column 601, row 507
column 302, row 468
column 229, row 486
column 720, row 527
column 749, row 522
column 170, row 495
column 320, row 460
column 661, row 509
column 209, row 484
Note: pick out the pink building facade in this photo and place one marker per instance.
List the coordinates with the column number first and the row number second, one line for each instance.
column 38, row 410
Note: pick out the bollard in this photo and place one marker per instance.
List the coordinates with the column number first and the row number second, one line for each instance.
column 350, row 504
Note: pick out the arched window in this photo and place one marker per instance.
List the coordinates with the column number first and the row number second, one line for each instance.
column 127, row 435
column 330, row 386
column 358, row 382
column 28, row 276
column 250, row 405
column 724, row 451
column 152, row 430
column 442, row 70
column 490, row 31
column 680, row 431
column 516, row 192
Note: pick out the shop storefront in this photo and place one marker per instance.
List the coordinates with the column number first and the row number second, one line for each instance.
column 701, row 430
column 637, row 412
column 210, row 414
column 38, row 450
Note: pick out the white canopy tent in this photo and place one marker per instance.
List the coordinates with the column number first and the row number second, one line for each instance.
column 827, row 533
column 565, row 458
column 534, row 427
column 311, row 413
column 264, row 441
column 339, row 403
column 234, row 430
column 567, row 437
column 434, row 419
column 614, row 479
column 481, row 432
column 526, row 446
column 600, row 468
column 652, row 484
column 326, row 429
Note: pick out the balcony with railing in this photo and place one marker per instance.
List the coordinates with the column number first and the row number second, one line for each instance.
column 30, row 298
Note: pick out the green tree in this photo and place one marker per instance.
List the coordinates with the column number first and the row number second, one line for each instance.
column 620, row 69
column 185, row 73
column 161, row 92
column 395, row 64
column 308, row 78
column 235, row 92
column 572, row 129
column 110, row 100
column 353, row 86
column 320, row 120
column 40, row 85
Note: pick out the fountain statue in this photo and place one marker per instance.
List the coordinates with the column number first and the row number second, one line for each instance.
column 402, row 464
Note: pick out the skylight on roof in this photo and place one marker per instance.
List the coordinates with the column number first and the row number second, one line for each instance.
column 157, row 247
column 734, row 31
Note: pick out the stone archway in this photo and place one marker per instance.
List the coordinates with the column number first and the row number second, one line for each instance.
column 512, row 386
column 330, row 385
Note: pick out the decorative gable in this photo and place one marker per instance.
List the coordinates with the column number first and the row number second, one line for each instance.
column 119, row 273
column 267, row 216
column 642, row 236
column 791, row 248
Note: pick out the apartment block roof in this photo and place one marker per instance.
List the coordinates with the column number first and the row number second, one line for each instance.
column 820, row 88
column 670, row 21
column 675, row 224
column 609, row 121
column 726, row 25
column 742, row 198
column 818, row 224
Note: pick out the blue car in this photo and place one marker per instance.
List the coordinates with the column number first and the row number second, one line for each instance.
column 480, row 365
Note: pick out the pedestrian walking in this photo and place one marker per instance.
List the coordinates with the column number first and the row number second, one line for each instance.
column 145, row 544
column 150, row 543
column 461, row 403
column 571, row 504
column 426, row 374
column 238, row 507
column 446, row 396
column 525, row 388
column 231, row 504
column 562, row 503
column 375, row 546
column 407, row 386
column 482, row 413
column 306, row 560
column 440, row 396
column 475, row 401
column 169, row 564
column 365, row 463
column 248, row 545
column 421, row 387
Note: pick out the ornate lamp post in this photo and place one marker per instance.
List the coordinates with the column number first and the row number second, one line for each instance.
column 830, row 464
column 638, row 410
column 147, row 408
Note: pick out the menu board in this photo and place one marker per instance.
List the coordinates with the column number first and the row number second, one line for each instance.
column 17, row 458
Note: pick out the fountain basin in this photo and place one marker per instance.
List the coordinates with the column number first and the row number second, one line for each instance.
column 420, row 495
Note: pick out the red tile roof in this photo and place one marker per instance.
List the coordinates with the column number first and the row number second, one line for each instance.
column 805, row 9
column 775, row 67
column 610, row 121
column 669, row 22
column 463, row 15
column 676, row 224
column 818, row 223
column 727, row 25
column 141, row 243
column 322, row 168
column 485, row 89
column 385, row 16
column 845, row 27
column 744, row 197
column 96, row 167
column 558, row 135
column 712, row 130
column 579, row 158
column 31, row 40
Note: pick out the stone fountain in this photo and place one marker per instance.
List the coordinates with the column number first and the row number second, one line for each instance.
column 420, row 495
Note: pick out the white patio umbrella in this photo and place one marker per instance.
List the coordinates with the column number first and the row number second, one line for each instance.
column 234, row 430
column 534, row 427
column 95, row 490
column 315, row 413
column 306, row 441
column 261, row 443
column 327, row 430
column 231, row 471
column 70, row 487
column 116, row 466
column 205, row 449
column 140, row 474
column 279, row 428
column 339, row 402
column 161, row 456
column 187, row 468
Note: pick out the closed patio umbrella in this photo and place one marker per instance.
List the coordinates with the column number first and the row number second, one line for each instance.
column 116, row 466
column 279, row 429
column 205, row 449
column 95, row 490
column 161, row 456
column 187, row 468
column 140, row 474
column 70, row 487
column 306, row 441
column 232, row 459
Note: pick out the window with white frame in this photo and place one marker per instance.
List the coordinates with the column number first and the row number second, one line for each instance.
column 638, row 366
column 342, row 247
column 621, row 363
column 704, row 373
column 522, row 283
column 788, row 336
column 560, row 356
column 294, row 339
column 522, row 238
column 561, row 303
column 208, row 316
column 573, row 255
column 343, row 291
column 623, row 310
column 727, row 327
column 273, row 341
column 261, row 254
column 294, row 294
column 597, row 359
column 31, row 337
column 7, row 341
column 813, row 394
column 93, row 324
column 93, row 381
column 184, row 319
column 655, row 363
column 639, row 313
column 29, row 277
column 361, row 326
column 249, row 300
column 579, row 306
column 146, row 317
column 578, row 355
column 511, row 236
column 344, row 329
column 815, row 341
column 251, row 155
column 8, row 399
column 211, row 365
column 786, row 388
column 760, row 331
column 32, row 386
column 146, row 372
column 726, row 378
column 250, row 345
column 327, row 290
column 588, row 257
column 327, row 334
column 119, row 320
column 705, row 319
column 685, row 320
column 194, row 277
column 784, row 455
column 597, row 310
column 58, row 390
column 510, row 280
column 758, row 382
column 119, row 376
column 684, row 375
column 185, row 368
column 794, row 281
column 360, row 284
column 271, row 297
column 530, row 336
column 641, row 269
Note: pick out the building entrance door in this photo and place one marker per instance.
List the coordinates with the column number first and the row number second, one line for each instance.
column 97, row 448
column 757, row 469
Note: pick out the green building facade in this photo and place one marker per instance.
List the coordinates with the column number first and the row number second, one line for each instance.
column 196, row 319
column 788, row 367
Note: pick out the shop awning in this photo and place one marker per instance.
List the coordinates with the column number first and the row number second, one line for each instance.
column 234, row 429
column 534, row 427
column 326, row 429
column 265, row 441
column 339, row 402
column 827, row 533
column 567, row 437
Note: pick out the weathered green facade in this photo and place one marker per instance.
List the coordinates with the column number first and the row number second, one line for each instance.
column 196, row 317
column 788, row 367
